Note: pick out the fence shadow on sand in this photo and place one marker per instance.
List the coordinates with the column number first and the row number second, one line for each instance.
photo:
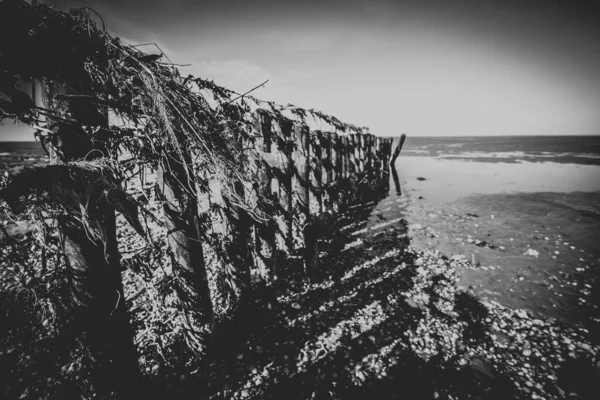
column 321, row 340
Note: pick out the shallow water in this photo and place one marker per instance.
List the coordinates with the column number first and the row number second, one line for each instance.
column 448, row 180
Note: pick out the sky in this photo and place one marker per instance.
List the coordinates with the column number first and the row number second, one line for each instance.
column 424, row 68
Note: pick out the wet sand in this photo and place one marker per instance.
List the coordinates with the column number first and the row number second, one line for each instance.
column 531, row 230
column 448, row 180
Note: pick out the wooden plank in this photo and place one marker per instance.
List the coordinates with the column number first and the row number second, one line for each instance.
column 359, row 154
column 369, row 156
column 327, row 172
column 343, row 158
column 317, row 175
column 352, row 155
column 305, row 180
column 377, row 164
column 286, row 190
column 263, row 128
column 266, row 245
column 93, row 267
column 301, row 190
column 393, row 164
column 339, row 167
column 260, row 193
column 347, row 165
column 334, row 157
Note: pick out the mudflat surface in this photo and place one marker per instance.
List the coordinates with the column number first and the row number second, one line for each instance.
column 533, row 251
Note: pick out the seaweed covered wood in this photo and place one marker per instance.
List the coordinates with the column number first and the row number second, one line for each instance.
column 86, row 193
column 188, row 130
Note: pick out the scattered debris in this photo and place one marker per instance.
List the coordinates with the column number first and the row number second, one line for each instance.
column 532, row 253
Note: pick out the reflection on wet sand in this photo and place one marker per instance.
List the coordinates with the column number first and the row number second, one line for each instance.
column 448, row 180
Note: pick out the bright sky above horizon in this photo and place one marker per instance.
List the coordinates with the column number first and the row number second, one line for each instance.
column 425, row 68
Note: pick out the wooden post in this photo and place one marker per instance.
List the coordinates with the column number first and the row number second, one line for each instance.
column 264, row 131
column 266, row 255
column 335, row 168
column 334, row 158
column 377, row 160
column 384, row 174
column 317, row 181
column 388, row 155
column 339, row 166
column 353, row 150
column 328, row 174
column 369, row 156
column 342, row 157
column 301, row 190
column 305, row 138
column 398, row 148
column 356, row 146
column 357, row 153
column 301, row 155
column 361, row 152
column 240, row 230
column 265, row 250
column 393, row 164
column 373, row 155
column 383, row 164
column 286, row 190
column 93, row 264
column 347, row 152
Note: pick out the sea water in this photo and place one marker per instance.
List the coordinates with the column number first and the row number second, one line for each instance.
column 457, row 167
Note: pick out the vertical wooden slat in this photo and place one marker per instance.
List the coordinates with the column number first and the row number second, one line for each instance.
column 301, row 177
column 264, row 231
column 377, row 160
column 286, row 190
column 343, row 161
column 93, row 266
column 327, row 174
column 369, row 155
column 310, row 232
column 356, row 146
column 378, row 155
column 351, row 156
column 387, row 155
column 318, row 170
column 347, row 151
column 393, row 164
column 339, row 167
column 334, row 151
column 264, row 131
column 362, row 153
column 358, row 154
column 266, row 255
column 301, row 191
column 305, row 137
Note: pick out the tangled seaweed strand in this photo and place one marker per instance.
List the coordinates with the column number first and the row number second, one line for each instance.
column 163, row 116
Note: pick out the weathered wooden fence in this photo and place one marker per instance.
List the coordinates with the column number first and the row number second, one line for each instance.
column 307, row 175
column 286, row 178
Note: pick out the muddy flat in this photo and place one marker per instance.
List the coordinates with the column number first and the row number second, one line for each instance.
column 530, row 230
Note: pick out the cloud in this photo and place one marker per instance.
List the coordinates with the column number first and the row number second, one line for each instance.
column 297, row 74
column 237, row 75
